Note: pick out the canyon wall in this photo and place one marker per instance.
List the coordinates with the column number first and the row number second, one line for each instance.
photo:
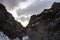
column 43, row 26
column 8, row 25
column 46, row 25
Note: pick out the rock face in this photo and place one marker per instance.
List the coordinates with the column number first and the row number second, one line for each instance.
column 45, row 26
column 9, row 25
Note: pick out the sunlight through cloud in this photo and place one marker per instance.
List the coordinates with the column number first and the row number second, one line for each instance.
column 24, row 23
column 26, row 4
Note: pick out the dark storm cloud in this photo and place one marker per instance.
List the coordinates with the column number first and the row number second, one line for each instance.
column 10, row 4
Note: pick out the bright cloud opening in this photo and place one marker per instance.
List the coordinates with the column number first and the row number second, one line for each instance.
column 21, row 5
column 26, row 4
column 14, row 14
column 24, row 23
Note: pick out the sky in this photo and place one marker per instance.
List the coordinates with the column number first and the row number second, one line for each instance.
column 23, row 9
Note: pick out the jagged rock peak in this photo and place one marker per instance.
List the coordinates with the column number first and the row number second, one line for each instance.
column 2, row 7
column 56, row 6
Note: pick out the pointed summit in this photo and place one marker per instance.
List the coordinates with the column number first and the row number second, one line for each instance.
column 56, row 6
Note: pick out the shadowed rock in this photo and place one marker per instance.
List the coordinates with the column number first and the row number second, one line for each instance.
column 9, row 25
column 45, row 26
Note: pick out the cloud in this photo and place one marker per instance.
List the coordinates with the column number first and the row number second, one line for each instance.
column 55, row 0
column 1, row 1
column 10, row 4
column 24, row 18
column 34, row 7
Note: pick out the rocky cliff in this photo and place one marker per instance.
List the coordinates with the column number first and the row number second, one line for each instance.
column 8, row 25
column 46, row 25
